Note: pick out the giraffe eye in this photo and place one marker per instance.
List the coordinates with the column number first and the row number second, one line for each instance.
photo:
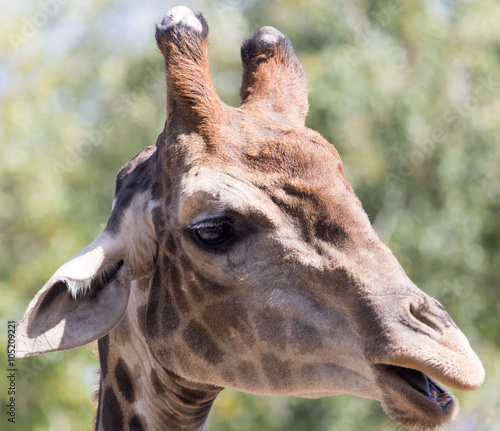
column 214, row 233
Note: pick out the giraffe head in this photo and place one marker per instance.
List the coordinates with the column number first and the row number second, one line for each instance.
column 260, row 269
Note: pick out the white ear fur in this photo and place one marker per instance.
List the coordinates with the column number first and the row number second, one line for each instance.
column 81, row 302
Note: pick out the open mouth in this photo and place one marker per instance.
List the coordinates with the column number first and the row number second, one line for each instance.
column 424, row 385
column 412, row 399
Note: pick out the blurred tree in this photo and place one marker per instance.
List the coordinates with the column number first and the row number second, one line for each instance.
column 407, row 91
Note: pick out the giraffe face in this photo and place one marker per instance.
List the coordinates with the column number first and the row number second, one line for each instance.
column 259, row 268
column 254, row 263
column 280, row 284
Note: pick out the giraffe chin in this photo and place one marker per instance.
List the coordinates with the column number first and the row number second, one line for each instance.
column 413, row 399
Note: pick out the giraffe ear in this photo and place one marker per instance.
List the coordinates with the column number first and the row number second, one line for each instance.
column 80, row 303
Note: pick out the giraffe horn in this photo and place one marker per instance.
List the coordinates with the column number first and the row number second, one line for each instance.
column 191, row 96
column 273, row 78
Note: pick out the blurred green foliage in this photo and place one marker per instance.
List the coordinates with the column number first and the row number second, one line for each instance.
column 408, row 91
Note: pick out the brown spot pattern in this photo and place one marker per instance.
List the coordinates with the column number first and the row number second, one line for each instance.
column 277, row 372
column 160, row 322
column 305, row 338
column 271, row 328
column 247, row 371
column 136, row 424
column 103, row 346
column 159, row 223
column 202, row 344
column 224, row 317
column 112, row 417
column 122, row 330
column 122, row 377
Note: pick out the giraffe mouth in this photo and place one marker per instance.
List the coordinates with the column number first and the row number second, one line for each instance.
column 424, row 385
column 412, row 399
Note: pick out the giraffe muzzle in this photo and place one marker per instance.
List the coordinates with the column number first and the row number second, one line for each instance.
column 423, row 353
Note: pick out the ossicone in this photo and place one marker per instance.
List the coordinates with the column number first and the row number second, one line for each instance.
column 191, row 97
column 273, row 78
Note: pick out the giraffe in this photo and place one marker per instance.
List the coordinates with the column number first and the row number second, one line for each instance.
column 237, row 255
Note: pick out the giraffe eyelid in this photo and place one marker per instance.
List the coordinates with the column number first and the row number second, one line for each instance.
column 210, row 222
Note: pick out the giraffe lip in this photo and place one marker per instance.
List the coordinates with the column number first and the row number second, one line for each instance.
column 424, row 385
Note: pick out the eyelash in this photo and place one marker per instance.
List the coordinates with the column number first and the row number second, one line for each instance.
column 221, row 229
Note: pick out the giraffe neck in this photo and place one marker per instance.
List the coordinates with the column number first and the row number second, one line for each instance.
column 136, row 393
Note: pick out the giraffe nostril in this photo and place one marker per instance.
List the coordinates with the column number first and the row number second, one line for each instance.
column 424, row 315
